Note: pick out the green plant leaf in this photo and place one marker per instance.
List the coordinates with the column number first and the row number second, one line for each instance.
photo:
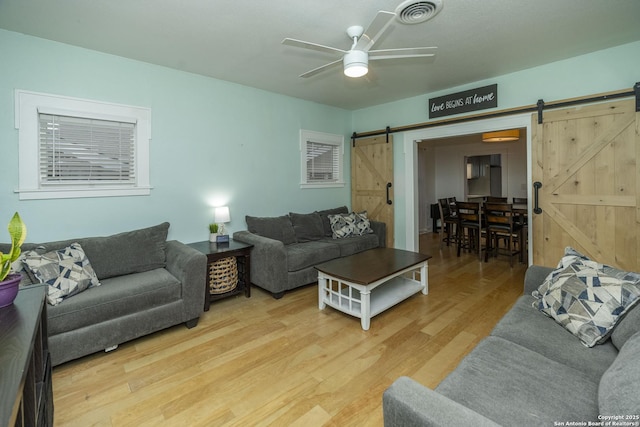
column 5, row 267
column 18, row 233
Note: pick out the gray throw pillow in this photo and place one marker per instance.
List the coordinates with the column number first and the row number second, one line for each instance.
column 618, row 389
column 307, row 227
column 324, row 215
column 587, row 298
column 277, row 228
column 362, row 224
column 129, row 252
column 67, row 271
column 343, row 225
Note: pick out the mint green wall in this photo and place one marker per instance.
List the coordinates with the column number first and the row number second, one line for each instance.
column 211, row 144
column 612, row 69
column 212, row 139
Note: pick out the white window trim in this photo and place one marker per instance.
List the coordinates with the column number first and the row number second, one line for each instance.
column 27, row 107
column 324, row 138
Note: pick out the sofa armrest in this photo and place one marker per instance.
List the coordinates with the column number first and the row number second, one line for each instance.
column 189, row 266
column 534, row 276
column 269, row 266
column 407, row 403
column 380, row 230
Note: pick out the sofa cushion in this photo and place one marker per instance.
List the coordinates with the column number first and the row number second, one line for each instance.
column 303, row 255
column 354, row 244
column 618, row 391
column 129, row 252
column 307, row 227
column 526, row 326
column 510, row 384
column 67, row 271
column 116, row 297
column 324, row 215
column 586, row 297
column 627, row 327
column 277, row 228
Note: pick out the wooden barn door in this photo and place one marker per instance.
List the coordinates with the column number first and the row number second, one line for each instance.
column 587, row 160
column 372, row 180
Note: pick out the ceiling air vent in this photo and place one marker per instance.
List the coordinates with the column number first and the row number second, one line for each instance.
column 415, row 12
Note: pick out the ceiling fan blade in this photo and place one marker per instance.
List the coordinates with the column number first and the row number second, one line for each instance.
column 409, row 52
column 374, row 30
column 320, row 69
column 313, row 46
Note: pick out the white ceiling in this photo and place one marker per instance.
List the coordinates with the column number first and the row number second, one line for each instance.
column 240, row 40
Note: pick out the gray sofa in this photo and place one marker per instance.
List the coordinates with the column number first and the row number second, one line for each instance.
column 146, row 284
column 530, row 372
column 286, row 248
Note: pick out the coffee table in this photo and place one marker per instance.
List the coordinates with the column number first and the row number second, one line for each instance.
column 368, row 283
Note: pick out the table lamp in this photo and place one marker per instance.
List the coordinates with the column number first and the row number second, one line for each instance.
column 220, row 216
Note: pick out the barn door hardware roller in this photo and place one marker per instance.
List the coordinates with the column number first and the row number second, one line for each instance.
column 540, row 105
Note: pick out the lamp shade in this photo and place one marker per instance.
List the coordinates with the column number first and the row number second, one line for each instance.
column 356, row 63
column 221, row 214
column 501, row 136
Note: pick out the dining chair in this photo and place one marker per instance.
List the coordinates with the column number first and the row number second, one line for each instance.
column 469, row 228
column 502, row 224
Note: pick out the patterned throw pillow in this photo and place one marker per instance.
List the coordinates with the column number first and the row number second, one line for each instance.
column 587, row 298
column 67, row 271
column 342, row 225
column 362, row 224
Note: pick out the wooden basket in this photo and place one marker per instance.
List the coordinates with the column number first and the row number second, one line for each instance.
column 223, row 275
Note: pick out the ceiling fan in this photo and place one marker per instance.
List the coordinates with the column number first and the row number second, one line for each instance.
column 356, row 60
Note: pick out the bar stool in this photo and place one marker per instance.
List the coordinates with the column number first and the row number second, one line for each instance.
column 469, row 226
column 449, row 222
column 502, row 224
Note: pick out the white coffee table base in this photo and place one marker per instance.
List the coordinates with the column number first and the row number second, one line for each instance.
column 366, row 301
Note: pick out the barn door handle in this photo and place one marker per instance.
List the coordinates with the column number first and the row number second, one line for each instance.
column 536, row 186
column 389, row 185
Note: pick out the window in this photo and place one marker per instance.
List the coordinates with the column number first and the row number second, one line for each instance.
column 80, row 148
column 321, row 159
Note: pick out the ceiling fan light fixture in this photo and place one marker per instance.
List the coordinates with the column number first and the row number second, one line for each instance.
column 356, row 63
column 501, row 136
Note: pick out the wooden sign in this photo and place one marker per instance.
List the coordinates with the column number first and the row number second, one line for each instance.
column 462, row 102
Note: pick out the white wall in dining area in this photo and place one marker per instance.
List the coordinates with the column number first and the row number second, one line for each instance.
column 451, row 167
column 442, row 171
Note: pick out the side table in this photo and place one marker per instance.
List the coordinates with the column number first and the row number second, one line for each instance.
column 217, row 251
column 26, row 392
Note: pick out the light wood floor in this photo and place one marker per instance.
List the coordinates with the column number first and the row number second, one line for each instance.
column 261, row 361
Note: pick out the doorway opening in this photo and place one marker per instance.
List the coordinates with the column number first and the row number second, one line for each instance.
column 448, row 174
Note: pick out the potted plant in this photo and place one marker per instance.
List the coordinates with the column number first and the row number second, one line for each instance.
column 213, row 232
column 9, row 283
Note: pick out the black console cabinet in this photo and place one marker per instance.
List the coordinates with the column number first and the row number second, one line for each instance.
column 26, row 396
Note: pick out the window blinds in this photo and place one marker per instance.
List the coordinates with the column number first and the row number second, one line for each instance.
column 322, row 162
column 76, row 150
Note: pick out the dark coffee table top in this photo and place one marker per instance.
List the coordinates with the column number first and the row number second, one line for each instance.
column 370, row 266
